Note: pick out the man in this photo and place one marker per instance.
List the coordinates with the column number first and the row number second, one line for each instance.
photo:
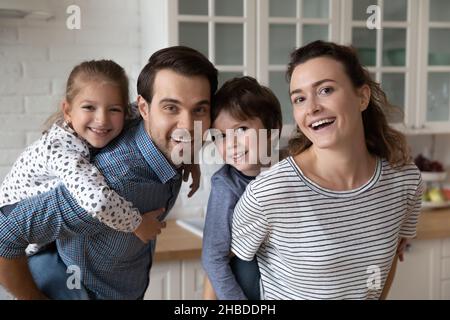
column 175, row 90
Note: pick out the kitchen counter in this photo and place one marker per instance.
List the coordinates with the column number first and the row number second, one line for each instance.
column 434, row 224
column 176, row 243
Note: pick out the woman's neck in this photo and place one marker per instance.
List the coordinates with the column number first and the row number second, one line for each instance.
column 340, row 169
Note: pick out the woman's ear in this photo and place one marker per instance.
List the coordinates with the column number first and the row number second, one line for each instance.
column 65, row 107
column 144, row 108
column 364, row 93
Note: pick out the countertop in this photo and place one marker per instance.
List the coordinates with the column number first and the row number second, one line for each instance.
column 434, row 224
column 176, row 243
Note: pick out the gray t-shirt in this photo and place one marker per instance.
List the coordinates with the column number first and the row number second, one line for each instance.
column 227, row 186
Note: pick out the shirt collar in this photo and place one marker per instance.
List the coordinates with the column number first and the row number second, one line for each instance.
column 155, row 159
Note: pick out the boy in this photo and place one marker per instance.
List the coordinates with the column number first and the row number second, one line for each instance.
column 244, row 119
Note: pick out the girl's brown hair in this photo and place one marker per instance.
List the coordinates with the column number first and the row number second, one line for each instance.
column 381, row 139
column 94, row 70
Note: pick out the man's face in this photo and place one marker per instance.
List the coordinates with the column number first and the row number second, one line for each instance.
column 178, row 101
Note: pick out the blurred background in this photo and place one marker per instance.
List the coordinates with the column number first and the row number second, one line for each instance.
column 409, row 54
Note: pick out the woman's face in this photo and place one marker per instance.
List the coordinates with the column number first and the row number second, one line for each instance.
column 327, row 108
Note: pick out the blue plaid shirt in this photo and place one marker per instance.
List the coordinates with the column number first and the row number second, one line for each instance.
column 114, row 265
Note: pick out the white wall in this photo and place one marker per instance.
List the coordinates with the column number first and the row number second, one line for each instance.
column 37, row 56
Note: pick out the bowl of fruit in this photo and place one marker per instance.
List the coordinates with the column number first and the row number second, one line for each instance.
column 446, row 191
column 433, row 174
column 432, row 171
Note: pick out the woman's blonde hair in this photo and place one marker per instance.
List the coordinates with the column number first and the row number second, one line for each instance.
column 93, row 70
column 381, row 139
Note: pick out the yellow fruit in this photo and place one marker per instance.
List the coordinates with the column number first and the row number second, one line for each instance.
column 436, row 195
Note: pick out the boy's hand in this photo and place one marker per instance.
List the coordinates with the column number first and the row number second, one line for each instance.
column 194, row 170
column 150, row 226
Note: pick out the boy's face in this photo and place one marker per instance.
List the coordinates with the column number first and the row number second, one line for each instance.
column 240, row 142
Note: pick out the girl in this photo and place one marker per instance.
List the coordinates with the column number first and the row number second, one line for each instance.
column 242, row 109
column 326, row 222
column 92, row 115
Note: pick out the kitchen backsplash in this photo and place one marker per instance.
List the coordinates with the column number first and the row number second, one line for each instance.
column 37, row 56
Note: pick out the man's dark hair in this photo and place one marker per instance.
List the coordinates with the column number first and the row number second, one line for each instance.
column 180, row 59
column 244, row 98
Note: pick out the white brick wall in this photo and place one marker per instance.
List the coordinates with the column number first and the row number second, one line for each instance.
column 36, row 58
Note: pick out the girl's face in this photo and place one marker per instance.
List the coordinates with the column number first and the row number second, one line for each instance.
column 96, row 113
column 239, row 142
column 327, row 107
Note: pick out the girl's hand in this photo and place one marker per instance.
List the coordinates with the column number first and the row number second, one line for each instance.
column 194, row 170
column 150, row 226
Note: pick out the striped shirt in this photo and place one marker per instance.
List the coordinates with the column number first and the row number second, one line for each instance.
column 314, row 243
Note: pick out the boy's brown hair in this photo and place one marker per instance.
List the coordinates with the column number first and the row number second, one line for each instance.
column 244, row 98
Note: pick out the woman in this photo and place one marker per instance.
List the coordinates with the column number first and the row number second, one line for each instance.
column 326, row 222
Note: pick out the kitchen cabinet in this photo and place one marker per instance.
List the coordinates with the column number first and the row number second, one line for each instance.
column 4, row 295
column 435, row 65
column 409, row 55
column 389, row 52
column 418, row 276
column 164, row 282
column 425, row 272
column 176, row 272
column 175, row 280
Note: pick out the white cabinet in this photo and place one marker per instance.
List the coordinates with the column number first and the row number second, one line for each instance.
column 409, row 54
column 435, row 65
column 418, row 276
column 390, row 51
column 4, row 295
column 445, row 287
column 192, row 276
column 425, row 273
column 165, row 281
column 176, row 280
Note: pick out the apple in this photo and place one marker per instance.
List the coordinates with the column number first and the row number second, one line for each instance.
column 426, row 197
column 446, row 192
column 436, row 195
